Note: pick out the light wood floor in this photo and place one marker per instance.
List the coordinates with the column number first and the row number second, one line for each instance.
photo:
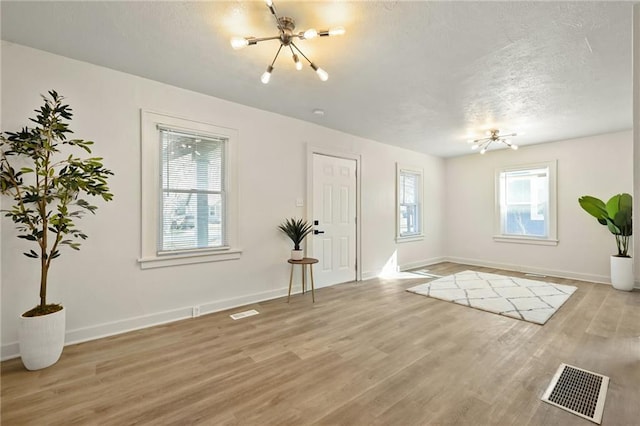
column 365, row 353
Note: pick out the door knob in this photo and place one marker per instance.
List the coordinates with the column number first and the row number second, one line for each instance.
column 316, row 232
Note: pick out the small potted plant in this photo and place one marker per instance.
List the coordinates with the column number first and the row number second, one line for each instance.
column 616, row 215
column 296, row 229
column 46, row 186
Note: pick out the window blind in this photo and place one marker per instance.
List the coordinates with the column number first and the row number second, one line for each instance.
column 409, row 203
column 193, row 191
column 525, row 202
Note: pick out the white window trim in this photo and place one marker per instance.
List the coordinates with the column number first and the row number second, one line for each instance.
column 419, row 171
column 552, row 238
column 150, row 193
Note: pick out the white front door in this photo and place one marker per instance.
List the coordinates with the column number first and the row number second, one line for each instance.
column 334, row 219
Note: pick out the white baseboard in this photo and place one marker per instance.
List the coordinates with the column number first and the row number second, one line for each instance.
column 367, row 275
column 404, row 267
column 603, row 279
column 79, row 335
column 421, row 263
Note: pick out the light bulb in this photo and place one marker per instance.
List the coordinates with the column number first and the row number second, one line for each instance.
column 514, row 147
column 310, row 33
column 336, row 31
column 269, row 2
column 324, row 76
column 474, row 146
column 297, row 62
column 483, row 150
column 239, row 42
column 267, row 75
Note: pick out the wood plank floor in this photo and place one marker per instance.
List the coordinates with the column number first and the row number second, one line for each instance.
column 365, row 353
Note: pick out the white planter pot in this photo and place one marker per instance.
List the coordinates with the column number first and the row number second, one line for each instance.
column 622, row 273
column 297, row 254
column 41, row 339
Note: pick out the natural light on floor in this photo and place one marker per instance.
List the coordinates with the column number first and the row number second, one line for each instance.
column 390, row 271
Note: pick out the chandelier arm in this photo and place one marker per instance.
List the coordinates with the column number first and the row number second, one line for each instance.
column 300, row 51
column 276, row 57
column 272, row 9
column 255, row 40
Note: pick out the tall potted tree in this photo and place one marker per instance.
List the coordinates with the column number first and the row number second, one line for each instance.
column 616, row 215
column 46, row 186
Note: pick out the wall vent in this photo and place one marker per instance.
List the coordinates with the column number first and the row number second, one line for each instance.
column 243, row 314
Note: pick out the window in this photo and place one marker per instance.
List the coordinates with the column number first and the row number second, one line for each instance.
column 526, row 204
column 188, row 192
column 409, row 209
column 193, row 192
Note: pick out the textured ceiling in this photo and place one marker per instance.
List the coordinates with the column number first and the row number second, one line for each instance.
column 421, row 75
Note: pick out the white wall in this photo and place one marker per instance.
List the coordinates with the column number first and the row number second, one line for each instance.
column 102, row 286
column 599, row 165
column 636, row 138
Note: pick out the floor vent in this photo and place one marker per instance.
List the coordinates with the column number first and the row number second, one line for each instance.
column 244, row 314
column 578, row 391
column 535, row 275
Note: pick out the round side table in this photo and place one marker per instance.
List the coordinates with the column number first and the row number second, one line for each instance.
column 304, row 262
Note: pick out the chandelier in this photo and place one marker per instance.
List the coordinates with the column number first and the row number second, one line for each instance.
column 286, row 27
column 493, row 135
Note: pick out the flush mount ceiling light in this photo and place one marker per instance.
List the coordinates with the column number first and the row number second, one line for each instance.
column 286, row 36
column 493, row 135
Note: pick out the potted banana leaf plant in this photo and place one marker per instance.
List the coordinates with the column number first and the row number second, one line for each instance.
column 47, row 185
column 616, row 215
column 296, row 230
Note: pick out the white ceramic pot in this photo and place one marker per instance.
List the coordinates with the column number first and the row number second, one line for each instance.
column 297, row 255
column 622, row 273
column 41, row 339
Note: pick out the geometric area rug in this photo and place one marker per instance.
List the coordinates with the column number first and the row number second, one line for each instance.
column 521, row 298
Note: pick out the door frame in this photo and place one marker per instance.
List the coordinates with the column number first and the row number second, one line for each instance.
column 329, row 152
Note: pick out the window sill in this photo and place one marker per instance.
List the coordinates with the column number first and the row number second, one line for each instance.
column 525, row 240
column 188, row 258
column 409, row 238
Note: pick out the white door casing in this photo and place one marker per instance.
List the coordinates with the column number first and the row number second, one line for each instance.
column 334, row 195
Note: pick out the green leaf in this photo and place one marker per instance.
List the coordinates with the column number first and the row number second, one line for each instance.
column 626, row 202
column 32, row 254
column 594, row 206
column 623, row 222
